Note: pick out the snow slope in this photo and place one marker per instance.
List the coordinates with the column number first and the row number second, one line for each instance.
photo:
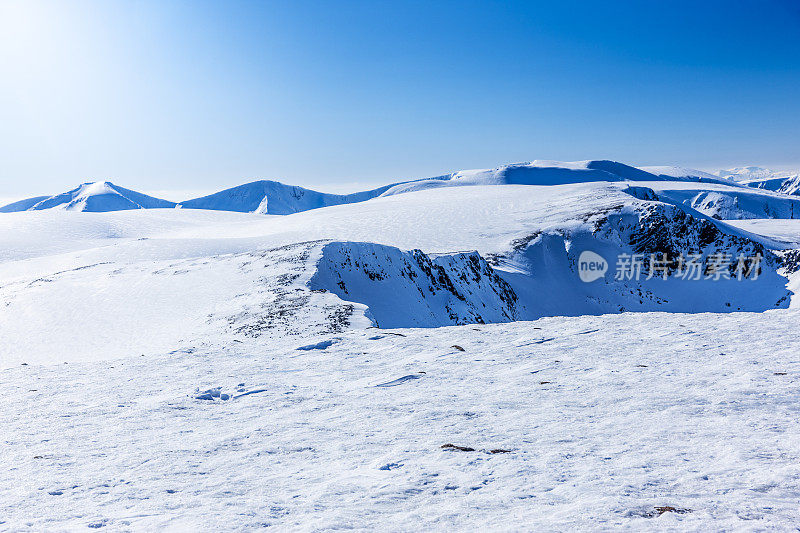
column 100, row 196
column 22, row 205
column 606, row 421
column 49, row 233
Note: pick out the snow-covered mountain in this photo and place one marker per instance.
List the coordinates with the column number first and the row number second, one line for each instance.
column 186, row 368
column 97, row 197
column 685, row 174
column 725, row 202
column 785, row 185
column 275, row 198
column 786, row 182
column 749, row 173
column 541, row 172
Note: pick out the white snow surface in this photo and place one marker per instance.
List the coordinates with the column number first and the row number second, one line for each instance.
column 182, row 369
column 605, row 419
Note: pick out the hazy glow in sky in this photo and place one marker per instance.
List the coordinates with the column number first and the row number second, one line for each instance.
column 203, row 95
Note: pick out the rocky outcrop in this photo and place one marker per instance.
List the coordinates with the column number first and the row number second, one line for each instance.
column 413, row 289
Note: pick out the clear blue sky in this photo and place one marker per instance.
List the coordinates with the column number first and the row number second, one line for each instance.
column 203, row 95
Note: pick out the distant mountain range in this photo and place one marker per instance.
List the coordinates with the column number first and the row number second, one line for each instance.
column 787, row 182
column 275, row 198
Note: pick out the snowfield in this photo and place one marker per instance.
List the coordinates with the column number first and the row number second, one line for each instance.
column 424, row 360
column 605, row 419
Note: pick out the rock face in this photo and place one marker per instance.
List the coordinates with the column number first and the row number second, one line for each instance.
column 412, row 289
column 544, row 271
column 658, row 228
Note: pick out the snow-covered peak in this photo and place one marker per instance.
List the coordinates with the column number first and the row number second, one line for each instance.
column 96, row 196
column 93, row 188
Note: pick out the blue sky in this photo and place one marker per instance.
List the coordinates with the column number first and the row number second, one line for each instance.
column 158, row 95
